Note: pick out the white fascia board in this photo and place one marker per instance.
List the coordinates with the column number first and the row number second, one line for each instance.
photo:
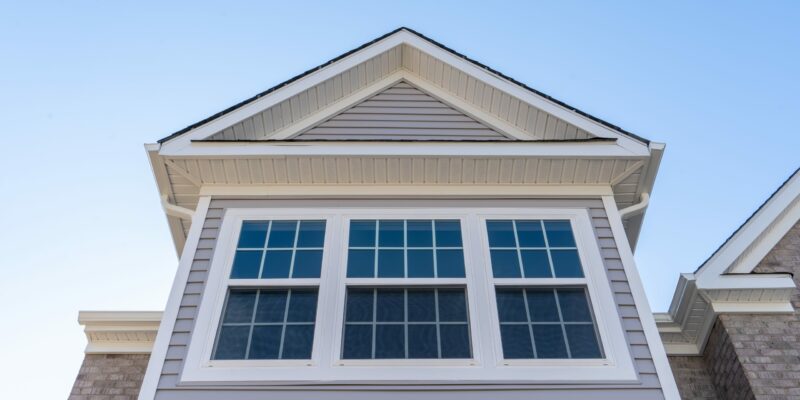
column 402, row 37
column 742, row 252
column 514, row 89
column 748, row 281
column 779, row 307
column 293, row 88
column 351, row 148
column 119, row 332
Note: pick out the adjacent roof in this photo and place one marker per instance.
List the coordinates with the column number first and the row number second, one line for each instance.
column 379, row 39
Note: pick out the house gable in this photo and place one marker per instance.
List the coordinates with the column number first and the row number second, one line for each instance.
column 401, row 112
column 504, row 104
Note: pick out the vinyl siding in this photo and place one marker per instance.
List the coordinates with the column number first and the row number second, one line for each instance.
column 168, row 388
column 401, row 112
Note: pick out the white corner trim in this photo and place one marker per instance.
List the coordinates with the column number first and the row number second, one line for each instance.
column 663, row 369
column 119, row 332
column 153, row 373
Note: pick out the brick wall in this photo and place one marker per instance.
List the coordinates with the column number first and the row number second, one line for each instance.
column 110, row 377
column 693, row 379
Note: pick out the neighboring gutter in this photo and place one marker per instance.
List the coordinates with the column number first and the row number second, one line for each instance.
column 120, row 332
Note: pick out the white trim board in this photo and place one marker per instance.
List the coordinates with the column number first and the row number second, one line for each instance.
column 119, row 332
column 404, row 37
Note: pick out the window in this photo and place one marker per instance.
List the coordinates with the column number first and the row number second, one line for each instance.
column 265, row 321
column 538, row 319
column 385, row 317
column 407, row 294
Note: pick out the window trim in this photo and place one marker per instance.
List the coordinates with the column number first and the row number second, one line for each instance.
column 487, row 365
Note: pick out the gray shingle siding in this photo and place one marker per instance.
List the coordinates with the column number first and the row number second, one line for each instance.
column 168, row 388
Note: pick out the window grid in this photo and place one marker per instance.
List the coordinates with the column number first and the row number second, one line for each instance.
column 406, row 323
column 405, row 248
column 252, row 324
column 563, row 324
column 265, row 248
column 518, row 248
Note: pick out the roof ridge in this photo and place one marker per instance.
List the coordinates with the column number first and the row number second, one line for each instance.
column 378, row 39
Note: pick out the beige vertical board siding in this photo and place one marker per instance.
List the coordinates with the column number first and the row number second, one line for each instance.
column 401, row 112
column 169, row 388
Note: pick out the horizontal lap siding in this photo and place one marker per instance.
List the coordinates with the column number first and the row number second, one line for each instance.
column 649, row 387
column 401, row 112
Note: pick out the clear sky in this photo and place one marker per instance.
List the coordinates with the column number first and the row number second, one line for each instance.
column 84, row 84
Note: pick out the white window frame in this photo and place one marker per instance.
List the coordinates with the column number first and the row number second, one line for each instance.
column 487, row 365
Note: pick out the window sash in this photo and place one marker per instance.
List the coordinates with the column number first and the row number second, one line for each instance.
column 326, row 362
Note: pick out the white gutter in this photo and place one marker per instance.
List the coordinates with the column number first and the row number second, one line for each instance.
column 637, row 208
column 174, row 210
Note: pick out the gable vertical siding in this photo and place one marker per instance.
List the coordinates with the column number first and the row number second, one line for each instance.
column 648, row 388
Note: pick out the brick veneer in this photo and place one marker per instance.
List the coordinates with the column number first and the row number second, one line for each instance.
column 110, row 377
column 693, row 379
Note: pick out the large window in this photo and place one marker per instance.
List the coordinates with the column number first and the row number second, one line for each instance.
column 537, row 318
column 271, row 305
column 387, row 317
column 407, row 294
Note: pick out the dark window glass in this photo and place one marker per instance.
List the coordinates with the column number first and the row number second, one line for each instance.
column 549, row 341
column 277, row 264
column 448, row 233
column 536, row 264
column 312, row 234
column 516, row 341
column 405, row 249
column 246, row 264
column 390, row 263
column 254, row 234
column 505, row 264
column 240, row 306
column 559, row 234
column 271, row 306
column 307, row 264
column 501, row 233
column 282, row 234
column 420, row 263
column 530, row 233
column 360, row 263
column 540, row 258
column 232, row 343
column 362, row 233
column 420, row 233
column 533, row 322
column 282, row 256
column 390, row 233
column 407, row 323
column 450, row 263
column 566, row 263
column 277, row 324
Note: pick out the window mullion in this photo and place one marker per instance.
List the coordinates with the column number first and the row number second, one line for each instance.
column 561, row 320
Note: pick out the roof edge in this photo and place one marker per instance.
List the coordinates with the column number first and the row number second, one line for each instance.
column 433, row 42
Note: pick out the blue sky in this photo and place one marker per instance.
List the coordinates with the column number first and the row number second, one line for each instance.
column 84, row 84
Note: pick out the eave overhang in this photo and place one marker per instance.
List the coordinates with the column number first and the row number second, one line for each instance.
column 727, row 283
column 119, row 332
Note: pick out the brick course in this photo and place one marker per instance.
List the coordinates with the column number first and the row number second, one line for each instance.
column 110, row 377
column 693, row 379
